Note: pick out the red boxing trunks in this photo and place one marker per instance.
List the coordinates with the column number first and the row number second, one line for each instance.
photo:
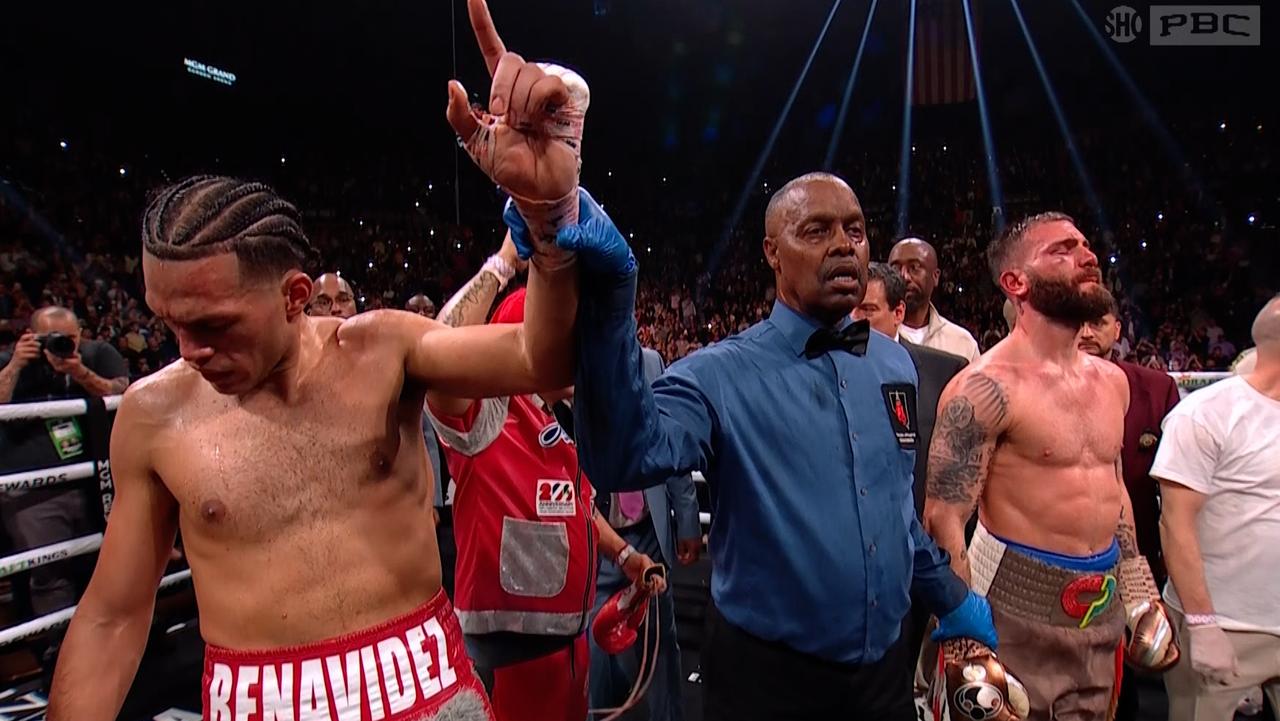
column 411, row 668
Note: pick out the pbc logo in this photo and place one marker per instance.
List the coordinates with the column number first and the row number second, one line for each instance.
column 556, row 498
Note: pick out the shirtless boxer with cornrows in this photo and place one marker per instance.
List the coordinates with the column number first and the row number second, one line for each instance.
column 1030, row 434
column 289, row 449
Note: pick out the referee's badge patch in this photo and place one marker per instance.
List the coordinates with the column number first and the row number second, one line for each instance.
column 900, row 402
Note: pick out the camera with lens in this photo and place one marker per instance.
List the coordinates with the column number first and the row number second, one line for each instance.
column 58, row 344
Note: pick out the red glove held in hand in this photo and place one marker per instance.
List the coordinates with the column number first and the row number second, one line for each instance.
column 616, row 626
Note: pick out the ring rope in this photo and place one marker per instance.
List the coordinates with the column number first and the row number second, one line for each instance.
column 51, row 553
column 50, row 621
column 52, row 409
column 43, row 477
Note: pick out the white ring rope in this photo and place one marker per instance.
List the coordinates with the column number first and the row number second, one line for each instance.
column 48, row 622
column 43, row 477
column 52, row 409
column 40, row 478
column 51, row 553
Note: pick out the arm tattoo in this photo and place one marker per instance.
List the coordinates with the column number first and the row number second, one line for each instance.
column 1127, row 537
column 118, row 385
column 959, row 451
column 1126, row 533
column 474, row 298
column 989, row 398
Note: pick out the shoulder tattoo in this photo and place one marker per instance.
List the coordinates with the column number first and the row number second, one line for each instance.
column 962, row 440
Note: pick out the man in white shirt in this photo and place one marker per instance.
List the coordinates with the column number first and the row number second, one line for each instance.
column 917, row 261
column 1219, row 470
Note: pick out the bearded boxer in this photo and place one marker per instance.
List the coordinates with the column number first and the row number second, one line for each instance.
column 303, row 497
column 1031, row 435
column 526, row 557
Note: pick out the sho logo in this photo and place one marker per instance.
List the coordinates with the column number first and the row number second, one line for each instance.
column 1122, row 24
column 1187, row 24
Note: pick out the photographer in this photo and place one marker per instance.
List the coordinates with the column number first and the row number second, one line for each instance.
column 51, row 363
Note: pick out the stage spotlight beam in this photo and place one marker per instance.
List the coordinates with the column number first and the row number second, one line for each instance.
column 904, row 156
column 754, row 178
column 989, row 146
column 834, row 144
column 1091, row 196
column 1211, row 208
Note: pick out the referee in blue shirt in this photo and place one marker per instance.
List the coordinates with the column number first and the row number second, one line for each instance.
column 805, row 427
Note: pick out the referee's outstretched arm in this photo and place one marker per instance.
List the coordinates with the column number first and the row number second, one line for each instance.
column 629, row 435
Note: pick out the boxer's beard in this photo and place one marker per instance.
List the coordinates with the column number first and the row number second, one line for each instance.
column 1066, row 302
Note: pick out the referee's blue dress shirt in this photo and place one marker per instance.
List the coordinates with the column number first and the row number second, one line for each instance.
column 814, row 538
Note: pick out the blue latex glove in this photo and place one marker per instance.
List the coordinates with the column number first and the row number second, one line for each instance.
column 600, row 246
column 971, row 619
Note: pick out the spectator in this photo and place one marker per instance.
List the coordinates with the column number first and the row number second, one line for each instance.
column 51, row 362
column 917, row 261
column 333, row 295
column 422, row 305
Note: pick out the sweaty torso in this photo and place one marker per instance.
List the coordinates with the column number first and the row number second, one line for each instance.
column 1052, row 480
column 306, row 519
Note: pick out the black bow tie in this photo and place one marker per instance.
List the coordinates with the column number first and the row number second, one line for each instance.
column 852, row 339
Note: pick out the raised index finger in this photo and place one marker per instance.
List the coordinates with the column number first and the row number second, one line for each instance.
column 486, row 34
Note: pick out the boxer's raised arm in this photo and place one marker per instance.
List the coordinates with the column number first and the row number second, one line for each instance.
column 470, row 306
column 974, row 413
column 114, row 616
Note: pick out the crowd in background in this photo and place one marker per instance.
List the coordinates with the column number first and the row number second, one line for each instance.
column 1189, row 255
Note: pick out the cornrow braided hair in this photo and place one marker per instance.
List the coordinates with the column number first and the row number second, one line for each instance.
column 207, row 215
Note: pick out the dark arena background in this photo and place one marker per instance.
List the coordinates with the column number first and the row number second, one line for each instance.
column 1157, row 135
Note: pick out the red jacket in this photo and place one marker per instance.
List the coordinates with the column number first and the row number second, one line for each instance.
column 526, row 561
column 1152, row 394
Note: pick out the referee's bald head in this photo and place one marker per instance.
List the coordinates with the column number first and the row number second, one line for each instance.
column 785, row 200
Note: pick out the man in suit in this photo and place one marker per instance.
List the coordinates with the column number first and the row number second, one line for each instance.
column 884, row 306
column 1152, row 394
column 662, row 523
